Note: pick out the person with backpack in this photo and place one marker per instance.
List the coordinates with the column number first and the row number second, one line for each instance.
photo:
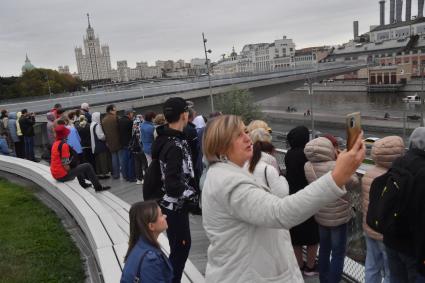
column 179, row 188
column 404, row 232
column 62, row 167
column 383, row 153
column 145, row 262
column 322, row 154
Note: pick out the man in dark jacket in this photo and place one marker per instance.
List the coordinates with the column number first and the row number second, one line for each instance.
column 179, row 184
column 26, row 123
column 125, row 128
column 110, row 128
column 406, row 252
column 194, row 143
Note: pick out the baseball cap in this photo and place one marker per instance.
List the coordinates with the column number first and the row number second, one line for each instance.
column 175, row 106
column 129, row 110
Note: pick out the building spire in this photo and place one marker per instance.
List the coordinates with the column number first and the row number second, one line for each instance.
column 88, row 19
column 26, row 57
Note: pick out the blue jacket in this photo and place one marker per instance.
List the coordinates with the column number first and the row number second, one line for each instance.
column 146, row 131
column 4, row 148
column 155, row 268
column 12, row 127
column 74, row 140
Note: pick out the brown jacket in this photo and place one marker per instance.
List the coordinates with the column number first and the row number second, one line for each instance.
column 384, row 152
column 321, row 159
column 110, row 128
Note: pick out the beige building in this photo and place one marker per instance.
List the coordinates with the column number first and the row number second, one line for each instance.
column 95, row 62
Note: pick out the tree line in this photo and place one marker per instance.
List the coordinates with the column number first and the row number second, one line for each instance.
column 36, row 83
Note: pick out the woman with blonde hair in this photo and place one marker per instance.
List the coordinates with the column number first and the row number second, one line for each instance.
column 244, row 220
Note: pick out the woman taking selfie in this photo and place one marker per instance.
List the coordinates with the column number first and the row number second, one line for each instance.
column 236, row 209
column 144, row 260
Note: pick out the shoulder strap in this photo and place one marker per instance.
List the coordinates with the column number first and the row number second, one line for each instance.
column 265, row 176
column 138, row 276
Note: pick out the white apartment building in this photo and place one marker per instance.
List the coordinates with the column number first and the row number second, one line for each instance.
column 63, row 69
column 95, row 62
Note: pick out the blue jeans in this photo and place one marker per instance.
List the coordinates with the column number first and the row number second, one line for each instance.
column 127, row 164
column 403, row 267
column 115, row 165
column 29, row 148
column 333, row 242
column 376, row 267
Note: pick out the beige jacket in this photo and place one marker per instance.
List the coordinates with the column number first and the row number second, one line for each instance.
column 384, row 152
column 321, row 160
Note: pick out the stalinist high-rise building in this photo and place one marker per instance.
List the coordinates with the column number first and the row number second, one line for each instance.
column 95, row 63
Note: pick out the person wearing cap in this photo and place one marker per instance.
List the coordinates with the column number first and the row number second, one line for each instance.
column 85, row 111
column 179, row 184
column 60, row 164
column 125, row 128
column 110, row 128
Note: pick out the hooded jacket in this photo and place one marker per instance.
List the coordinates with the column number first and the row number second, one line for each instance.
column 99, row 131
column 321, row 155
column 295, row 159
column 176, row 167
column 50, row 131
column 412, row 243
column 12, row 127
column 384, row 152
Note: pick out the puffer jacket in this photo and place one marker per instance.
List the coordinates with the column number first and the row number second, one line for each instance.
column 321, row 159
column 384, row 152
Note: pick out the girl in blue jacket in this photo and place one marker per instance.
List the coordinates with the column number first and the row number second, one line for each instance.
column 144, row 259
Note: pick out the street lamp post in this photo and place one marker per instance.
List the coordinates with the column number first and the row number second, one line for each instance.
column 48, row 85
column 204, row 40
column 310, row 92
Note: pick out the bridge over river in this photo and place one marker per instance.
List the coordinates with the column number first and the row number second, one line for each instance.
column 148, row 94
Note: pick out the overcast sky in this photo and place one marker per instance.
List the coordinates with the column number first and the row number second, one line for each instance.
column 140, row 30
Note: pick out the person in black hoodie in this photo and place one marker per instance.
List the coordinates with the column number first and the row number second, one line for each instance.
column 406, row 251
column 307, row 233
column 125, row 129
column 172, row 150
column 26, row 123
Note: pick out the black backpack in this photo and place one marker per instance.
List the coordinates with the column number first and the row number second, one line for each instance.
column 73, row 155
column 390, row 197
column 152, row 184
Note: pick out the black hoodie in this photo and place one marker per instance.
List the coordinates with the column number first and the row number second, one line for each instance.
column 176, row 166
column 295, row 159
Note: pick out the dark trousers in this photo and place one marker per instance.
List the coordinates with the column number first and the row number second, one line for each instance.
column 126, row 164
column 88, row 157
column 82, row 172
column 140, row 164
column 178, row 234
column 29, row 148
column 402, row 267
column 20, row 148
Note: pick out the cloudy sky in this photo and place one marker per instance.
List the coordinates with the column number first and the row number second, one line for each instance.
column 140, row 30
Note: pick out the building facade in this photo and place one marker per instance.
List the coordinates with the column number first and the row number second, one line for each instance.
column 95, row 62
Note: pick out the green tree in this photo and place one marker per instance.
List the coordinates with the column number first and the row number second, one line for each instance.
column 239, row 102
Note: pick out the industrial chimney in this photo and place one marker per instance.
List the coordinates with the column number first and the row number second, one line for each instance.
column 408, row 10
column 399, row 10
column 420, row 8
column 382, row 12
column 356, row 30
column 392, row 11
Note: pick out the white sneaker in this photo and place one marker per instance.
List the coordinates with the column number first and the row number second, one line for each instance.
column 139, row 182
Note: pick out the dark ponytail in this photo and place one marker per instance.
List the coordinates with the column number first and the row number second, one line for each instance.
column 259, row 147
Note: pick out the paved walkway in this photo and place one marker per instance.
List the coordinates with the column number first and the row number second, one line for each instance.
column 131, row 193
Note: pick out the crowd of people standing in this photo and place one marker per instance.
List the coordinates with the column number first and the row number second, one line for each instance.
column 257, row 218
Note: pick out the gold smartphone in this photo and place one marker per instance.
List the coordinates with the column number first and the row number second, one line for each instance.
column 354, row 128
